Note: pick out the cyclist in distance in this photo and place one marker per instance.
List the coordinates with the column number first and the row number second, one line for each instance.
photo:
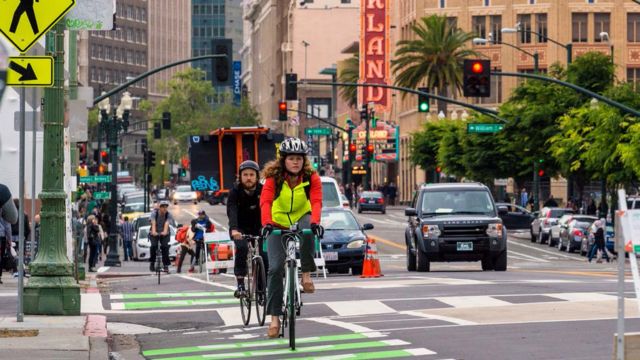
column 243, row 211
column 160, row 235
column 292, row 193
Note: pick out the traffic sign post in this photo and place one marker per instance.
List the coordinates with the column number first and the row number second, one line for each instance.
column 484, row 128
column 24, row 22
column 317, row 131
column 30, row 71
column 95, row 179
column 102, row 195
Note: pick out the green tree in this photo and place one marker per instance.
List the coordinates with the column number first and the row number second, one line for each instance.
column 350, row 72
column 434, row 57
column 593, row 71
column 450, row 148
column 425, row 144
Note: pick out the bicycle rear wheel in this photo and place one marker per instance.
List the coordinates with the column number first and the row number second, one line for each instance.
column 259, row 289
column 158, row 263
column 245, row 303
column 291, row 300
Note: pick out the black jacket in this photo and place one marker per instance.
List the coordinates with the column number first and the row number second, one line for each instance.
column 243, row 210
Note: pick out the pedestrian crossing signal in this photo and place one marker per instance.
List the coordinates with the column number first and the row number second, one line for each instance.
column 282, row 111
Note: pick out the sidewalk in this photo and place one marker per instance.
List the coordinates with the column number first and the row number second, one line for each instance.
column 49, row 337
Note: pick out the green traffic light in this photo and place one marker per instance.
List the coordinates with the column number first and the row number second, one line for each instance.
column 424, row 107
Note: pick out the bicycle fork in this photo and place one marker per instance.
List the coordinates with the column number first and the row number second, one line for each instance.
column 291, row 262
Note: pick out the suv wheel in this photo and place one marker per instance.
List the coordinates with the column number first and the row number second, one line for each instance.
column 500, row 261
column 411, row 260
column 487, row 264
column 422, row 261
column 541, row 238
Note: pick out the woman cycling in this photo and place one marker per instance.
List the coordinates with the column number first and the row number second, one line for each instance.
column 292, row 193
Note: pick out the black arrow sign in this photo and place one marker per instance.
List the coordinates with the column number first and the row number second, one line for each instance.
column 26, row 74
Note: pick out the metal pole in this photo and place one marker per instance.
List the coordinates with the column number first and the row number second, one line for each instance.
column 33, row 178
column 536, row 186
column 569, row 48
column 334, row 117
column 535, row 62
column 620, row 240
column 349, row 158
column 367, row 161
column 113, row 259
column 21, row 238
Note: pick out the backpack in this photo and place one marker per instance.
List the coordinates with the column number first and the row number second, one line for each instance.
column 307, row 188
column 181, row 235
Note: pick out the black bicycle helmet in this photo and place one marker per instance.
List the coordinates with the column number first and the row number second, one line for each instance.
column 293, row 146
column 249, row 164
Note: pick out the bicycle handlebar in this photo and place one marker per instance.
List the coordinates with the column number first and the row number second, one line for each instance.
column 302, row 231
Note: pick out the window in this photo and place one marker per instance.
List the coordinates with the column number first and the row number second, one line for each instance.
column 601, row 24
column 452, row 22
column 633, row 27
column 525, row 25
column 107, row 52
column 633, row 76
column 541, row 27
column 479, row 26
column 320, row 107
column 443, row 4
column 579, row 27
column 196, row 9
column 496, row 27
column 486, row 2
column 345, row 1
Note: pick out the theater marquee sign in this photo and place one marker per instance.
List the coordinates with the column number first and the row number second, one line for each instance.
column 375, row 51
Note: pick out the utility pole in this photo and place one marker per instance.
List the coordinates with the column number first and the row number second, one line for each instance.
column 52, row 289
column 367, row 157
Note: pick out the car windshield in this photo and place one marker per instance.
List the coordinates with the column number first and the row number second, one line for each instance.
column 457, row 202
column 144, row 233
column 129, row 208
column 556, row 213
column 183, row 189
column 330, row 196
column 339, row 220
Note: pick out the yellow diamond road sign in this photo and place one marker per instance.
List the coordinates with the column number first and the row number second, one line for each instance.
column 23, row 22
column 30, row 71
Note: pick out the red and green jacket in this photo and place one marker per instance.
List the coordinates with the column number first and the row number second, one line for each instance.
column 292, row 202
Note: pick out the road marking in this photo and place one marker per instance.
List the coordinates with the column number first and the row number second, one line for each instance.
column 472, row 301
column 103, row 269
column 348, row 326
column 528, row 257
column 170, row 303
column 387, row 242
column 359, row 307
column 546, row 251
column 438, row 317
column 228, row 287
column 131, row 329
column 91, row 303
column 582, row 296
column 373, row 355
column 170, row 295
column 231, row 316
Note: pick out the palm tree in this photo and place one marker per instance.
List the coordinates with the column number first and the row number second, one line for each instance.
column 434, row 58
column 350, row 72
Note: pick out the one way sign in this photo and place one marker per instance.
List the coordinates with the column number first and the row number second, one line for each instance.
column 30, row 71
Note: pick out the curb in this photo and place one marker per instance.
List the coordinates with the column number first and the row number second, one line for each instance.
column 107, row 275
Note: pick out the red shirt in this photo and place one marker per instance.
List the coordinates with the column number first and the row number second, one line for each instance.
column 269, row 191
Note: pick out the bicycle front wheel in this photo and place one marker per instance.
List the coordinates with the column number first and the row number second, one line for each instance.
column 245, row 303
column 291, row 300
column 259, row 289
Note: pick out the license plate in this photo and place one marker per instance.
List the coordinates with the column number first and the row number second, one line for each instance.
column 330, row 256
column 465, row 246
column 372, row 201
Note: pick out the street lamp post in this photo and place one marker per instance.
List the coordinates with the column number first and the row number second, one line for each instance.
column 568, row 47
column 162, row 162
column 118, row 122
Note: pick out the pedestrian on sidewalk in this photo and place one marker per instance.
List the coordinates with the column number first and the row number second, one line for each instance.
column 393, row 192
column 93, row 236
column 6, row 258
column 15, row 233
column 8, row 216
column 127, row 238
column 187, row 244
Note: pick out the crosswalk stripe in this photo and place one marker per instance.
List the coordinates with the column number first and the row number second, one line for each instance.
column 582, row 296
column 389, row 354
column 527, row 257
column 360, row 307
column 170, row 295
column 170, row 303
column 472, row 301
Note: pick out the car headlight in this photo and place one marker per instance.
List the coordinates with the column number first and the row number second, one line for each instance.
column 430, row 231
column 494, row 230
column 356, row 244
column 144, row 245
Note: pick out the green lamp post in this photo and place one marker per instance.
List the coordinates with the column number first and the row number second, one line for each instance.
column 52, row 289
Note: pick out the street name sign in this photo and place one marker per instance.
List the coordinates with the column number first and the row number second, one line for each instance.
column 484, row 128
column 23, row 22
column 317, row 131
column 30, row 71
column 102, row 195
column 96, row 179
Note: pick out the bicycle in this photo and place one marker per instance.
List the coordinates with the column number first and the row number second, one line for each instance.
column 158, row 264
column 256, row 283
column 292, row 300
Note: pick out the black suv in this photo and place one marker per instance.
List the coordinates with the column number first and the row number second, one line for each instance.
column 455, row 222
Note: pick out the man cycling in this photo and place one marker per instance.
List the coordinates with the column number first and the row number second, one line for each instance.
column 160, row 234
column 243, row 210
column 203, row 224
column 292, row 193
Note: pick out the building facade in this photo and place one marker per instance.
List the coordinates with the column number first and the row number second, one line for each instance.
column 611, row 27
column 169, row 29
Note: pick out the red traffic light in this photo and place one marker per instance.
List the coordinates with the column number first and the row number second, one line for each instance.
column 477, row 67
column 352, row 147
column 103, row 154
column 101, row 169
column 540, row 173
column 370, row 149
column 282, row 106
column 438, row 169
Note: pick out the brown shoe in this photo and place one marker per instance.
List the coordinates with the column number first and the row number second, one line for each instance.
column 308, row 287
column 273, row 332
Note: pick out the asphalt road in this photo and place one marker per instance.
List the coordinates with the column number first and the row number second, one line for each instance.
column 548, row 305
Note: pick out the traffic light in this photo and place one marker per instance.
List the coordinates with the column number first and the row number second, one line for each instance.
column 364, row 114
column 374, row 121
column 541, row 173
column 438, row 169
column 352, row 148
column 104, row 156
column 477, row 78
column 102, row 168
column 82, row 151
column 291, row 87
column 314, row 162
column 157, row 131
column 282, row 111
column 166, row 120
column 423, row 100
column 370, row 149
column 350, row 124
column 222, row 65
column 151, row 158
column 183, row 172
column 149, row 179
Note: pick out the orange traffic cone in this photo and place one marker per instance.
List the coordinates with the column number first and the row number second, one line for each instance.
column 371, row 264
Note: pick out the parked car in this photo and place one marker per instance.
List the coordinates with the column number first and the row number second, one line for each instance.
column 133, row 210
column 142, row 244
column 344, row 241
column 516, row 217
column 371, row 201
column 573, row 231
column 554, row 231
column 184, row 193
column 589, row 239
column 455, row 222
column 541, row 226
column 330, row 193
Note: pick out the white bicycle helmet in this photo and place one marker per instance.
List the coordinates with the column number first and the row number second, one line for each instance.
column 293, row 146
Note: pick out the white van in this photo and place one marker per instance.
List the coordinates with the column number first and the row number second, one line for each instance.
column 330, row 193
